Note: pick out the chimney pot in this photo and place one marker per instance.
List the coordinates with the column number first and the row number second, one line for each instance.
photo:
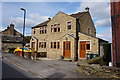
column 87, row 9
column 49, row 18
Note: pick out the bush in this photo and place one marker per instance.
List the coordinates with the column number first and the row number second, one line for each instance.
column 11, row 50
column 97, row 60
column 94, row 60
column 107, row 53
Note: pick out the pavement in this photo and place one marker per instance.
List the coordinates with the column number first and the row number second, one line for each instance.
column 46, row 68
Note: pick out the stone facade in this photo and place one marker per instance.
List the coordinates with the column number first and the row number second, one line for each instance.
column 81, row 20
column 10, row 38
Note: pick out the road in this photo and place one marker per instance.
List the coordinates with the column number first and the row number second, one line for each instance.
column 11, row 71
column 47, row 68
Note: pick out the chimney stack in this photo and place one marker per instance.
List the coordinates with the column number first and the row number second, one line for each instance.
column 11, row 29
column 87, row 9
column 49, row 18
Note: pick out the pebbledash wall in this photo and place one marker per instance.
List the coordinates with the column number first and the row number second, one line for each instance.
column 62, row 36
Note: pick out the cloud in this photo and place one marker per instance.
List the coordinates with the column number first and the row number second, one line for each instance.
column 96, row 8
column 1, row 29
column 103, row 22
column 106, row 35
column 31, row 20
column 100, row 11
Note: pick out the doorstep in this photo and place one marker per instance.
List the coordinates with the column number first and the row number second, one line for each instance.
column 45, row 59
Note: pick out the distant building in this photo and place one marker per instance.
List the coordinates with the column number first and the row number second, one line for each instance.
column 115, row 17
column 10, row 38
column 66, row 35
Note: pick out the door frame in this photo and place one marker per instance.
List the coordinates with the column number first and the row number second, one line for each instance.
column 70, row 48
column 79, row 47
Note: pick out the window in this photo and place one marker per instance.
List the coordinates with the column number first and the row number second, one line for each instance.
column 33, row 45
column 58, row 27
column 52, row 28
column 43, row 30
column 69, row 25
column 88, row 45
column 55, row 45
column 55, row 28
column 34, row 31
column 42, row 44
column 58, row 45
column 89, row 31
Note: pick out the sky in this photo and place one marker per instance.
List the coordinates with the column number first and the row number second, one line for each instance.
column 38, row 12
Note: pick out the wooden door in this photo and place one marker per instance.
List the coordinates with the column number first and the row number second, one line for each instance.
column 82, row 49
column 67, row 49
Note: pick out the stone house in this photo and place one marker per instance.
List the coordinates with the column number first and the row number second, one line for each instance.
column 10, row 38
column 66, row 35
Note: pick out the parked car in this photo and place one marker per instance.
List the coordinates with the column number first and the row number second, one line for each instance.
column 18, row 49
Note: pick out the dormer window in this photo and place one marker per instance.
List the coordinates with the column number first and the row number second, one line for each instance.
column 69, row 24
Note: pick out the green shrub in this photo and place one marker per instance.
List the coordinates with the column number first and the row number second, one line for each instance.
column 107, row 53
column 94, row 60
column 11, row 50
column 97, row 60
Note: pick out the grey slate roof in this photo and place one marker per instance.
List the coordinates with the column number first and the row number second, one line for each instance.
column 77, row 15
column 41, row 24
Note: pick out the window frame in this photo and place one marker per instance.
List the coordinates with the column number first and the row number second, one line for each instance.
column 55, row 28
column 69, row 25
column 55, row 45
column 42, row 44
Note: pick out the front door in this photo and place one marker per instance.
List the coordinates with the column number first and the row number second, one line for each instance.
column 82, row 50
column 67, row 49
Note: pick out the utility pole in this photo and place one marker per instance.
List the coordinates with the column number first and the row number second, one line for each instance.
column 23, row 31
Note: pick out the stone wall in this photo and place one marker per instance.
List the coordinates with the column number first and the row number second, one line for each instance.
column 99, row 71
column 94, row 43
column 5, row 46
column 85, row 23
column 62, row 19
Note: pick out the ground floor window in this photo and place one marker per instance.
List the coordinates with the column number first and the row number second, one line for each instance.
column 55, row 45
column 33, row 45
column 88, row 45
column 42, row 44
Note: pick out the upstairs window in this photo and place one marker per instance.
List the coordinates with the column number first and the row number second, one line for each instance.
column 43, row 30
column 89, row 30
column 42, row 44
column 55, row 28
column 58, row 27
column 69, row 24
column 34, row 31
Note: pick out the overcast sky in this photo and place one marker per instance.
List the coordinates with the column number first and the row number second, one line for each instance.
column 38, row 12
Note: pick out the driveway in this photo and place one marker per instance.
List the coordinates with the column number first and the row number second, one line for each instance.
column 47, row 68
